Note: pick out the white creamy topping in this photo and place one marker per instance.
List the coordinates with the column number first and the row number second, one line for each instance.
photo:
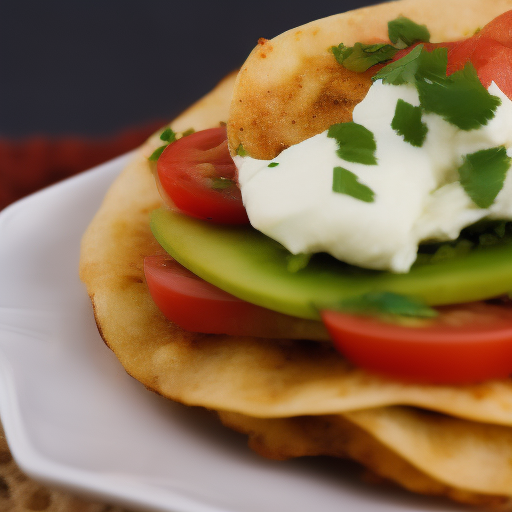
column 417, row 193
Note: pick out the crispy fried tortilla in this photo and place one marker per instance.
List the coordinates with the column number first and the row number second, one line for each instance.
column 296, row 398
column 424, row 452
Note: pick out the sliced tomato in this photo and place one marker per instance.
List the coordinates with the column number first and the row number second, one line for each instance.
column 465, row 344
column 199, row 176
column 198, row 306
column 494, row 63
column 489, row 50
column 499, row 29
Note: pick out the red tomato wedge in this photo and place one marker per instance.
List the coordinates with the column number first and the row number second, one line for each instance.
column 499, row 29
column 466, row 343
column 489, row 50
column 492, row 61
column 199, row 176
column 198, row 306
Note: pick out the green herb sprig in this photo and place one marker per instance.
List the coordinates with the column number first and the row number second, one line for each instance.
column 355, row 143
column 346, row 182
column 402, row 32
column 460, row 98
column 407, row 123
column 384, row 304
column 361, row 57
column 483, row 173
column 169, row 136
column 240, row 150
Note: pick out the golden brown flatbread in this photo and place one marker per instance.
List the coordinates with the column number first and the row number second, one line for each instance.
column 291, row 88
column 294, row 398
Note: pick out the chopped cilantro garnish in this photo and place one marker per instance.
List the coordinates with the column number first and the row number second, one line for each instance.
column 361, row 56
column 188, row 132
column 273, row 164
column 296, row 262
column 407, row 123
column 221, row 183
column 355, row 143
column 346, row 182
column 385, row 303
column 401, row 71
column 460, row 98
column 473, row 237
column 448, row 251
column 156, row 154
column 240, row 151
column 482, row 174
column 168, row 135
column 403, row 32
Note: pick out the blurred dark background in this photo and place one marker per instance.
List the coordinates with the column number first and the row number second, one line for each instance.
column 82, row 82
column 97, row 66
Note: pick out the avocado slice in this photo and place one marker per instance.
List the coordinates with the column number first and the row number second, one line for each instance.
column 253, row 267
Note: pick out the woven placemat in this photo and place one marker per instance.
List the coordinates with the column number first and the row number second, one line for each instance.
column 19, row 493
column 29, row 164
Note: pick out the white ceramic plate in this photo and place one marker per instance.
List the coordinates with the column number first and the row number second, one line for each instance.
column 75, row 419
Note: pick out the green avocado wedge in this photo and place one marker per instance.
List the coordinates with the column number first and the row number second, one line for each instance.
column 253, row 267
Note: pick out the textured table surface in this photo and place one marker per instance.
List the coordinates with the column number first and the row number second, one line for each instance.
column 19, row 493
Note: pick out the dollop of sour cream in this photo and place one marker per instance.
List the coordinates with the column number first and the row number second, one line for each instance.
column 417, row 193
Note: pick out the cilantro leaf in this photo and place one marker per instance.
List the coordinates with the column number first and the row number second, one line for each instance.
column 483, row 173
column 385, row 303
column 361, row 56
column 273, row 164
column 168, row 135
column 188, row 132
column 156, row 154
column 402, row 70
column 240, row 151
column 355, row 143
column 407, row 123
column 432, row 65
column 346, row 182
column 404, row 32
column 448, row 251
column 470, row 238
column 460, row 98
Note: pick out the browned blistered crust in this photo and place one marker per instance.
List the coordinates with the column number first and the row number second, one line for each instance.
column 291, row 87
column 268, row 121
